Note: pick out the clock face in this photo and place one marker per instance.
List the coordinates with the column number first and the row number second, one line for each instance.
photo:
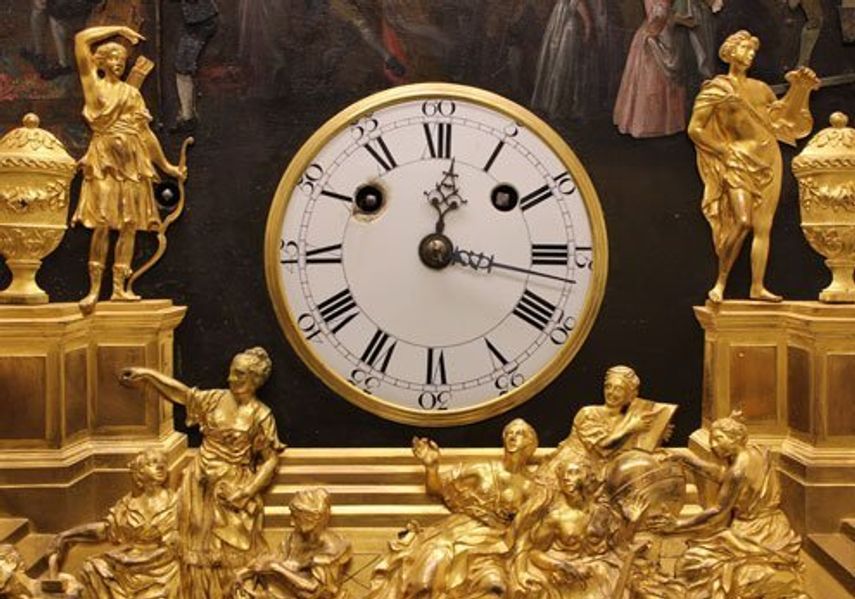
column 436, row 254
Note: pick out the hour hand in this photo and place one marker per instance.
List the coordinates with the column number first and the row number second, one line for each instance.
column 480, row 261
column 445, row 196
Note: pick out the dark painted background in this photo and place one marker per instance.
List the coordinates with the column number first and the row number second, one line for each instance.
column 661, row 262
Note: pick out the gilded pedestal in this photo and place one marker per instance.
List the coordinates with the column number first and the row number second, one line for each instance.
column 789, row 367
column 69, row 427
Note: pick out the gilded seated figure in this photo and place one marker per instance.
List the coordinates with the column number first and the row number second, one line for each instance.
column 624, row 421
column 221, row 509
column 464, row 554
column 570, row 546
column 143, row 528
column 750, row 550
column 311, row 561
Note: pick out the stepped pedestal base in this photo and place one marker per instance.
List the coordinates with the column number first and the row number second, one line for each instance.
column 790, row 368
column 69, row 427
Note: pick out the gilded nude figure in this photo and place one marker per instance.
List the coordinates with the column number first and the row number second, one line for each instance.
column 736, row 125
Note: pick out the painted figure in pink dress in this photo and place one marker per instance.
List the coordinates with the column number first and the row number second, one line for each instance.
column 651, row 101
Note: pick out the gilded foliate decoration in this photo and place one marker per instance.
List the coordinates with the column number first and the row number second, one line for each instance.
column 831, row 241
column 27, row 242
column 52, row 195
column 30, row 148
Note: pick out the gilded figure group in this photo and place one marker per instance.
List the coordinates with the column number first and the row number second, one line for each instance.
column 584, row 522
column 587, row 521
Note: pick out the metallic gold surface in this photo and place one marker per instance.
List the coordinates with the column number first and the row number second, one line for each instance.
column 304, row 158
column 311, row 561
column 743, row 544
column 142, row 528
column 68, row 423
column 624, row 421
column 119, row 166
column 16, row 584
column 35, row 174
column 808, row 420
column 462, row 555
column 736, row 125
column 827, row 199
column 222, row 510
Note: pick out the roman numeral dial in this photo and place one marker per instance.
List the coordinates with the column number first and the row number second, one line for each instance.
column 471, row 279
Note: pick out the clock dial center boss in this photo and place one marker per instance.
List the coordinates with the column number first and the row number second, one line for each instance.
column 436, row 254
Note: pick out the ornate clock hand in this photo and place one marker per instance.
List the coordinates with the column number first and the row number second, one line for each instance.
column 445, row 196
column 481, row 261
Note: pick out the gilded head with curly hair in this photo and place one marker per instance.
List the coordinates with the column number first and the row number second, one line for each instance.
column 250, row 369
column 728, row 436
column 310, row 510
column 739, row 48
column 111, row 59
column 621, row 386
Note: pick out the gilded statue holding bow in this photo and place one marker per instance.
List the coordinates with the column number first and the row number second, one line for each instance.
column 119, row 165
column 736, row 125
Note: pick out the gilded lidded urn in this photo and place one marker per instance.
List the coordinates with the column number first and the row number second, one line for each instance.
column 826, row 173
column 35, row 175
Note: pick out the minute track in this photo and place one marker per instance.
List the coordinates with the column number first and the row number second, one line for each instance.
column 415, row 344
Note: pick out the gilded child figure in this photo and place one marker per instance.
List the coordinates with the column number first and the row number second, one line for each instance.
column 736, row 125
column 311, row 561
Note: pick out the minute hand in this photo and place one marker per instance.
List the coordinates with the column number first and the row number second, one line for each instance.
column 481, row 261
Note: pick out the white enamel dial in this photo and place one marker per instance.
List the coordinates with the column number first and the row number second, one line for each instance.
column 436, row 254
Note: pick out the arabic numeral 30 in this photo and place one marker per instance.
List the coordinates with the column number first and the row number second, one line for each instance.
column 434, row 401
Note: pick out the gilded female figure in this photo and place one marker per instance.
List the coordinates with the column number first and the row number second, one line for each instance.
column 143, row 528
column 220, row 506
column 118, row 167
column 565, row 550
column 464, row 554
column 750, row 549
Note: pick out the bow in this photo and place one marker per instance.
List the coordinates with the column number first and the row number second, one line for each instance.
column 171, row 218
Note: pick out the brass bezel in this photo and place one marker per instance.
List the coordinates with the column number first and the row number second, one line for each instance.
column 333, row 379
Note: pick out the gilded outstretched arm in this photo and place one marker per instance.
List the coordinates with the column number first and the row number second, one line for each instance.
column 171, row 389
column 427, row 452
column 731, row 480
column 158, row 157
